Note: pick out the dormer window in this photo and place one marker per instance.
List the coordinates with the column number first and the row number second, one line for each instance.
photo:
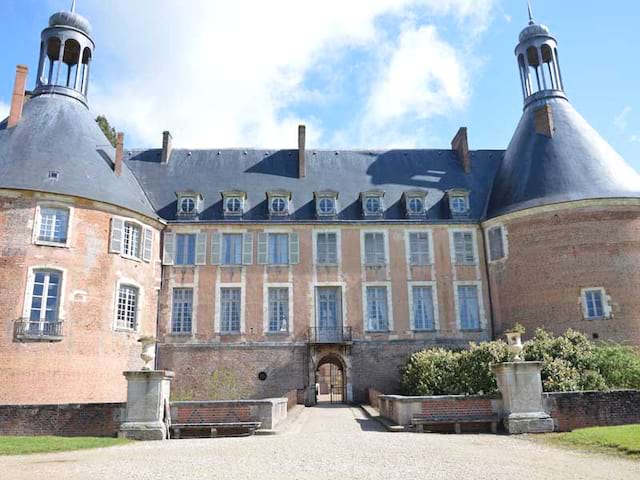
column 458, row 203
column 279, row 202
column 189, row 203
column 326, row 203
column 372, row 203
column 414, row 202
column 233, row 203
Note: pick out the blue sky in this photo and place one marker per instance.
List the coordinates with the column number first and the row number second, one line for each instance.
column 359, row 73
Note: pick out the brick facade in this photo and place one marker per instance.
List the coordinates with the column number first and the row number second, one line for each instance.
column 71, row 420
column 87, row 364
column 556, row 251
column 571, row 410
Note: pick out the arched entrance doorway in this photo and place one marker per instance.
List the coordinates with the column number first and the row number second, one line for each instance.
column 331, row 380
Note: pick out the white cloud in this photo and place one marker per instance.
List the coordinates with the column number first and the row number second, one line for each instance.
column 4, row 110
column 622, row 119
column 219, row 73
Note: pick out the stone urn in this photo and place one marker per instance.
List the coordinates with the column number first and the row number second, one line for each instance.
column 148, row 351
column 514, row 341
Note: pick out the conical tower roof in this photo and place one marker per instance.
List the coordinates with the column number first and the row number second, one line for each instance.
column 58, row 134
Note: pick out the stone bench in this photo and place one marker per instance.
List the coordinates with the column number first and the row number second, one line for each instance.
column 419, row 421
column 216, row 428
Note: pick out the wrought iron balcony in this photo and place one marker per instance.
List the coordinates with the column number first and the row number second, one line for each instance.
column 37, row 331
column 329, row 335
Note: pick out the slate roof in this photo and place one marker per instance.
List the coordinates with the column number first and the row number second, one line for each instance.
column 575, row 164
column 211, row 172
column 57, row 133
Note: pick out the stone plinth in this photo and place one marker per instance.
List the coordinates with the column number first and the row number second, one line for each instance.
column 521, row 387
column 147, row 405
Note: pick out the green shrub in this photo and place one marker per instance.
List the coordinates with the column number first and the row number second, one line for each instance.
column 570, row 362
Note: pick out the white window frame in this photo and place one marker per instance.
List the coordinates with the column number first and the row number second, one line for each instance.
column 505, row 243
column 365, row 210
column 235, row 196
column 411, row 213
column 606, row 305
column 436, row 309
column 28, row 296
column 223, row 251
column 266, row 310
column 197, row 203
column 363, row 253
column 139, row 307
column 365, row 307
column 193, row 310
column 38, row 219
column 481, row 309
column 408, row 233
column 218, row 312
column 140, row 228
column 315, row 233
column 452, row 246
column 286, row 197
column 175, row 248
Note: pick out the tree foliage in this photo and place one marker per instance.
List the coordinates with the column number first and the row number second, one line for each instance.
column 107, row 129
column 570, row 362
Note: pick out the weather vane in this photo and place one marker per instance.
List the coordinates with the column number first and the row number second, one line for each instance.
column 73, row 6
column 531, row 20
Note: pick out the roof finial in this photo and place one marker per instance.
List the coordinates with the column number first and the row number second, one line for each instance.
column 73, row 6
column 531, row 20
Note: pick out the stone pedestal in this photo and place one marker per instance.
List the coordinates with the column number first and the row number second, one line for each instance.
column 521, row 387
column 147, row 411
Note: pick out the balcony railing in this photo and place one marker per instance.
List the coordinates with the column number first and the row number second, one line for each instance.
column 329, row 335
column 33, row 330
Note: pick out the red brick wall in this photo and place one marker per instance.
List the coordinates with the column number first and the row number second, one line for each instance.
column 554, row 254
column 213, row 413
column 87, row 365
column 460, row 407
column 573, row 410
column 72, row 420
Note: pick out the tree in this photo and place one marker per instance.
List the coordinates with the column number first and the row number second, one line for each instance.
column 107, row 129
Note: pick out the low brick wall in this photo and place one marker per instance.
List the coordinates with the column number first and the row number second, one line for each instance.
column 373, row 397
column 67, row 420
column 270, row 411
column 401, row 409
column 571, row 410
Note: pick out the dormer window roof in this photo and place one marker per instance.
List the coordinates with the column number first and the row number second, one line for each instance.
column 189, row 203
column 326, row 203
column 415, row 203
column 458, row 202
column 372, row 203
column 279, row 202
column 233, row 203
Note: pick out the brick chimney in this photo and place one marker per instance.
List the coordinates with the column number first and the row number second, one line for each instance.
column 117, row 166
column 167, row 140
column 460, row 144
column 302, row 140
column 17, row 101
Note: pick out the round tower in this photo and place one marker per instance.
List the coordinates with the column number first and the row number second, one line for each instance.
column 80, row 240
column 563, row 221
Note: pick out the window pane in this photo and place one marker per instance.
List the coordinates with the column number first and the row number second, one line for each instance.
column 423, row 308
column 278, row 309
column 53, row 225
column 181, row 318
column 127, row 307
column 419, row 248
column 45, row 298
column 232, row 249
column 278, row 249
column 463, row 244
column 496, row 245
column 132, row 238
column 327, row 248
column 185, row 249
column 377, row 312
column 374, row 249
column 230, row 310
column 469, row 308
column 595, row 307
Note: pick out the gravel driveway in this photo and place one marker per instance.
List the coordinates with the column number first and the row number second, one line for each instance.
column 329, row 442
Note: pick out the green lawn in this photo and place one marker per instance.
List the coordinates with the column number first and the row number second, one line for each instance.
column 27, row 445
column 623, row 439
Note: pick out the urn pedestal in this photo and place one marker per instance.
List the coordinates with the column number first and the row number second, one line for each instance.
column 147, row 414
column 521, row 387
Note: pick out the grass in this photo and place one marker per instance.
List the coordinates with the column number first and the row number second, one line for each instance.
column 624, row 439
column 29, row 445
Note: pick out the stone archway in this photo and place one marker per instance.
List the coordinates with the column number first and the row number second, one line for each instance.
column 341, row 382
